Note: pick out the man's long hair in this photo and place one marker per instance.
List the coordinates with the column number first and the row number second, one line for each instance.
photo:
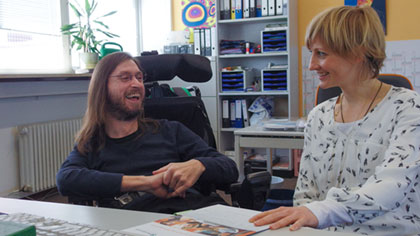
column 91, row 137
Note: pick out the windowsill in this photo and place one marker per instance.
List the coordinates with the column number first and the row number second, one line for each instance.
column 43, row 77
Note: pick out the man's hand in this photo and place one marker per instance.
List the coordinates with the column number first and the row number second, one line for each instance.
column 152, row 184
column 181, row 175
column 280, row 217
column 156, row 186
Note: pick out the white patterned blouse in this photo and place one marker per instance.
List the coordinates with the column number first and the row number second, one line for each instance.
column 371, row 171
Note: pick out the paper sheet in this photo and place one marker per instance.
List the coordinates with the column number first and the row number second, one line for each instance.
column 214, row 220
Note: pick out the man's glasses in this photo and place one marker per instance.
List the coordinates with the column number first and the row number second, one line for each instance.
column 126, row 77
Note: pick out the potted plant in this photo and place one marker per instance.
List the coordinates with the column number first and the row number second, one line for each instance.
column 83, row 32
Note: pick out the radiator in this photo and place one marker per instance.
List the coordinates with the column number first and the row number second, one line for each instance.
column 42, row 148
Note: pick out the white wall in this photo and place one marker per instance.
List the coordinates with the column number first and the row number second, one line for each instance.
column 9, row 179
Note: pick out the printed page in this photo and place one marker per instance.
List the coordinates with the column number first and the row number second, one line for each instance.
column 181, row 225
column 226, row 215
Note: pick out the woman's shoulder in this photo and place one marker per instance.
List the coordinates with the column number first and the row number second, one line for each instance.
column 401, row 91
column 324, row 108
column 399, row 95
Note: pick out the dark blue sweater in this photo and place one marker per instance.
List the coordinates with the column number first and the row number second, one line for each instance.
column 99, row 175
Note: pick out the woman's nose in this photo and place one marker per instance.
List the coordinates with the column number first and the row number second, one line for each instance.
column 313, row 63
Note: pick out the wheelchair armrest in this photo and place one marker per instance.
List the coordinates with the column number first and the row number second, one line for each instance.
column 252, row 192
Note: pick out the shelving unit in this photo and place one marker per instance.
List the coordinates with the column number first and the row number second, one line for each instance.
column 286, row 95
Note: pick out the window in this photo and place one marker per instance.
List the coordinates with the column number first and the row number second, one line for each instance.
column 156, row 24
column 31, row 41
column 122, row 23
column 30, row 38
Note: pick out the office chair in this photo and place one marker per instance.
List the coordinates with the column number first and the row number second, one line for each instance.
column 163, row 102
column 392, row 79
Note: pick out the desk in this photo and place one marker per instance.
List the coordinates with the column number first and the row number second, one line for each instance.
column 257, row 137
column 114, row 218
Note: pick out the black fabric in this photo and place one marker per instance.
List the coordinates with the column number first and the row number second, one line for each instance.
column 156, row 90
column 190, row 111
column 151, row 203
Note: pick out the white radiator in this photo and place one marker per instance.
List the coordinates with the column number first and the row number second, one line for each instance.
column 42, row 148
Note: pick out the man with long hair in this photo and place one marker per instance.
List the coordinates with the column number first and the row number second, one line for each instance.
column 124, row 160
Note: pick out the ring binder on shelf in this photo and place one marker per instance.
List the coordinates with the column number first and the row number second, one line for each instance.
column 197, row 41
column 271, row 7
column 279, row 7
column 245, row 6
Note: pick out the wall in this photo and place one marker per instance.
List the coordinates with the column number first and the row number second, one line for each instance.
column 402, row 21
column 26, row 102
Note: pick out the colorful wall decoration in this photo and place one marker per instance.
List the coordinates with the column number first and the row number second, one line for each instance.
column 198, row 13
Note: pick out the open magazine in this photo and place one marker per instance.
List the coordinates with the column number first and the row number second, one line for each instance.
column 217, row 220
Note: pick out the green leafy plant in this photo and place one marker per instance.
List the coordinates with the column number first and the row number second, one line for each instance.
column 83, row 32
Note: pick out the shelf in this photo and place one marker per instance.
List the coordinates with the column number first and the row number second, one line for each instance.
column 273, row 168
column 265, row 93
column 271, row 54
column 254, row 19
column 229, row 129
column 254, row 29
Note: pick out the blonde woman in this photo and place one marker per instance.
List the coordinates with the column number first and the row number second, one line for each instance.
column 360, row 166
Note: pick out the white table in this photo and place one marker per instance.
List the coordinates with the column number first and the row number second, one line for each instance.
column 114, row 218
column 257, row 137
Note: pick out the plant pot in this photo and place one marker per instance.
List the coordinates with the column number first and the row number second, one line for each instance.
column 88, row 60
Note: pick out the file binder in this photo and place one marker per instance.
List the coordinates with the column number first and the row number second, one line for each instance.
column 202, row 42
column 225, row 9
column 225, row 114
column 264, row 7
column 238, row 9
column 245, row 112
column 207, row 41
column 271, row 7
column 232, row 9
column 258, row 7
column 279, row 7
column 239, row 123
column 245, row 5
column 252, row 8
column 232, row 113
column 197, row 41
column 213, row 41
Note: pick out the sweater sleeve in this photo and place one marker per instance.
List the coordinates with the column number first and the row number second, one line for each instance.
column 220, row 169
column 75, row 178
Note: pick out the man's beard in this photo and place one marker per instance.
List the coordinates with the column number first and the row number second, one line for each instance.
column 119, row 111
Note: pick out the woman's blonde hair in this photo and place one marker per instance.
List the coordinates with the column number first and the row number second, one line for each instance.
column 354, row 32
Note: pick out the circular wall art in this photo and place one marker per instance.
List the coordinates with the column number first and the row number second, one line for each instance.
column 212, row 10
column 194, row 14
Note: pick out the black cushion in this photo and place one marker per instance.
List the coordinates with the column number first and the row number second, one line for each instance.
column 188, row 67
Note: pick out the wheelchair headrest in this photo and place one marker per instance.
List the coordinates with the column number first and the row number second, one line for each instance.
column 188, row 67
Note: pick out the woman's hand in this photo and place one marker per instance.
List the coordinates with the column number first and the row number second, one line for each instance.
column 280, row 217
